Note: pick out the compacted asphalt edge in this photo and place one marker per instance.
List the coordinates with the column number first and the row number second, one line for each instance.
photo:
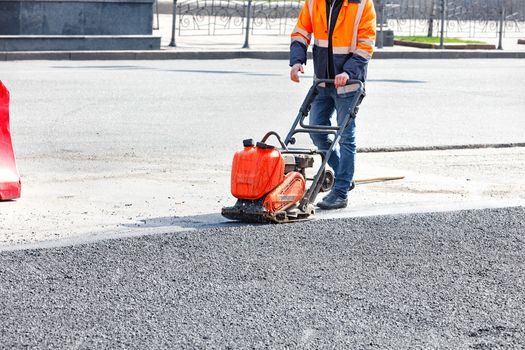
column 451, row 280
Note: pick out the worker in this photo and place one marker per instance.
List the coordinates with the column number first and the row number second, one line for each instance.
column 344, row 32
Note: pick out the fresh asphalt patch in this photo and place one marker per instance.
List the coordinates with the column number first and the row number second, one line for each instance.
column 443, row 280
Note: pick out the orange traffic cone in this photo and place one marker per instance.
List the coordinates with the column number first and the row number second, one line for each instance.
column 9, row 179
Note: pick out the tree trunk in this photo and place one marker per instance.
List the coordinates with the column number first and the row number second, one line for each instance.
column 431, row 19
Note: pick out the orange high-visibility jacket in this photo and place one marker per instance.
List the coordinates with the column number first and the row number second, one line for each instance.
column 344, row 45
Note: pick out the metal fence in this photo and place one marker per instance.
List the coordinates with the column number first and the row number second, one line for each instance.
column 219, row 17
column 463, row 18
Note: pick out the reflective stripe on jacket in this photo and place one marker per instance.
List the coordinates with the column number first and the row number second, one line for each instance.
column 352, row 39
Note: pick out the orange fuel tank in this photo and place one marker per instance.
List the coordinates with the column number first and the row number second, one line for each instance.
column 256, row 170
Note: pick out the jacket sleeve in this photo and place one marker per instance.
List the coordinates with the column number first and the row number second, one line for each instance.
column 301, row 36
column 356, row 65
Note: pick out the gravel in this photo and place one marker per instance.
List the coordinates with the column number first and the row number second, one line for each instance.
column 444, row 280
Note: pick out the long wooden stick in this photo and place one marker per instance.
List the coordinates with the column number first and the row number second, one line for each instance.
column 378, row 179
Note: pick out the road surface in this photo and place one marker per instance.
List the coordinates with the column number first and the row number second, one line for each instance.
column 434, row 281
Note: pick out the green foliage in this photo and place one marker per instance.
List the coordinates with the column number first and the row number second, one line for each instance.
column 435, row 40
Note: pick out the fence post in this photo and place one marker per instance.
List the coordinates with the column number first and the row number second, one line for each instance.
column 247, row 34
column 156, row 4
column 501, row 23
column 381, row 37
column 173, row 21
column 442, row 34
column 430, row 31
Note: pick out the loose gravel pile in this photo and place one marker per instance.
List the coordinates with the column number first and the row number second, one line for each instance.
column 444, row 280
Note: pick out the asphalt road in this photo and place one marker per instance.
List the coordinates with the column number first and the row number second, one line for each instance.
column 203, row 109
column 115, row 146
column 433, row 281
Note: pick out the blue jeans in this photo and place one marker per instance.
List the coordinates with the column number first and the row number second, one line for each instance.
column 342, row 160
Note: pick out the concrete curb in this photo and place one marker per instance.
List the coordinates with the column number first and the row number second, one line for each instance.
column 438, row 148
column 241, row 53
column 68, row 43
column 448, row 46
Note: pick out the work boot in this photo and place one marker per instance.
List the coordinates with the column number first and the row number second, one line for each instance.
column 333, row 201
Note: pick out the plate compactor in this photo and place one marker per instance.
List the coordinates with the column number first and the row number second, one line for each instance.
column 270, row 182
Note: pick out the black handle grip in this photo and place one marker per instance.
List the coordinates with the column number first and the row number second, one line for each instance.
column 270, row 133
column 331, row 81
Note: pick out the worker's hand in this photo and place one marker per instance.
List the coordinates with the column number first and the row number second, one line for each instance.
column 294, row 72
column 341, row 79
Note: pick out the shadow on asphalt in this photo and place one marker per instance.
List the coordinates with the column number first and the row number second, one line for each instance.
column 396, row 81
column 107, row 67
column 201, row 221
column 219, row 72
column 216, row 71
column 202, row 71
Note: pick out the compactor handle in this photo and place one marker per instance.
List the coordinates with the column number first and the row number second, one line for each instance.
column 270, row 133
column 331, row 81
